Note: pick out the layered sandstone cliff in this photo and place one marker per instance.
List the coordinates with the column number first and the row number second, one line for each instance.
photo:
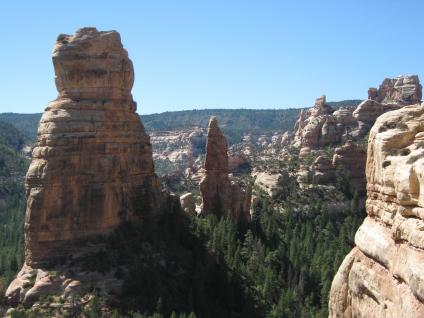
column 383, row 276
column 322, row 126
column 92, row 165
column 222, row 195
column 393, row 93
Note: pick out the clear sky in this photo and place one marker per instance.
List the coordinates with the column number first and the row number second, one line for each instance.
column 220, row 54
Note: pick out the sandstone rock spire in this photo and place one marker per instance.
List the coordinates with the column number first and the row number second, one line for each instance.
column 221, row 195
column 383, row 276
column 92, row 165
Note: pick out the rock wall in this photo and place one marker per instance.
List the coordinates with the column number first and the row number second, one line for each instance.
column 393, row 93
column 321, row 126
column 222, row 195
column 92, row 165
column 383, row 276
column 404, row 90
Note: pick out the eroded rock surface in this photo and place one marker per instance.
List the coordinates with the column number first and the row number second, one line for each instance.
column 393, row 93
column 322, row 126
column 92, row 166
column 383, row 276
column 188, row 203
column 404, row 90
column 322, row 171
column 221, row 195
column 350, row 159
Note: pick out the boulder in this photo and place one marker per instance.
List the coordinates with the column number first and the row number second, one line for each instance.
column 188, row 204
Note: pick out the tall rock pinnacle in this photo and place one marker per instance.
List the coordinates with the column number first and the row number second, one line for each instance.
column 221, row 195
column 92, row 166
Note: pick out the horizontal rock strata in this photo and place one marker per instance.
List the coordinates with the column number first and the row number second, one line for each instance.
column 92, row 165
column 384, row 275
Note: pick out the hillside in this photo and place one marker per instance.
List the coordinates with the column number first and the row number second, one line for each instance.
column 13, row 166
column 234, row 122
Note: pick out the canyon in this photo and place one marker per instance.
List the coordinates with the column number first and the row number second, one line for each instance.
column 239, row 206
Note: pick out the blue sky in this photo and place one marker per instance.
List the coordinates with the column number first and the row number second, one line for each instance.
column 220, row 54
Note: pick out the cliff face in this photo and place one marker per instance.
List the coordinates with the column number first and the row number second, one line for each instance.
column 318, row 127
column 405, row 90
column 92, row 165
column 321, row 126
column 393, row 93
column 222, row 195
column 383, row 276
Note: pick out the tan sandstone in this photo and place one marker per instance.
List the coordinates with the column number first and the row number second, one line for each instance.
column 222, row 195
column 383, row 276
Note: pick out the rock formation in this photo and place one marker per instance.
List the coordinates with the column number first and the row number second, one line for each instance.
column 320, row 126
column 322, row 171
column 238, row 163
column 188, row 204
column 221, row 195
column 393, row 93
column 351, row 159
column 92, row 166
column 404, row 90
column 383, row 276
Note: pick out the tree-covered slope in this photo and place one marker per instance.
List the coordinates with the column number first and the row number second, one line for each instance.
column 13, row 166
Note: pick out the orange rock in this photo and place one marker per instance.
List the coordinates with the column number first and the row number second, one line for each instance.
column 220, row 195
column 92, row 165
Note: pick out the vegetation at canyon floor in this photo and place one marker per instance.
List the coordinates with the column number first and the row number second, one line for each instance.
column 279, row 265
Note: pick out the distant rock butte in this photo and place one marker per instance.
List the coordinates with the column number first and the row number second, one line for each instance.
column 393, row 93
column 222, row 195
column 92, row 165
column 404, row 90
column 383, row 276
column 319, row 127
column 322, row 126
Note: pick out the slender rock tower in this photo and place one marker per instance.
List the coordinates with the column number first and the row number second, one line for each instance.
column 222, row 195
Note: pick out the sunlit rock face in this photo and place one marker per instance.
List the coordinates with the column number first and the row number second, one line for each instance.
column 393, row 93
column 322, row 126
column 383, row 276
column 92, row 165
column 222, row 195
column 404, row 90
